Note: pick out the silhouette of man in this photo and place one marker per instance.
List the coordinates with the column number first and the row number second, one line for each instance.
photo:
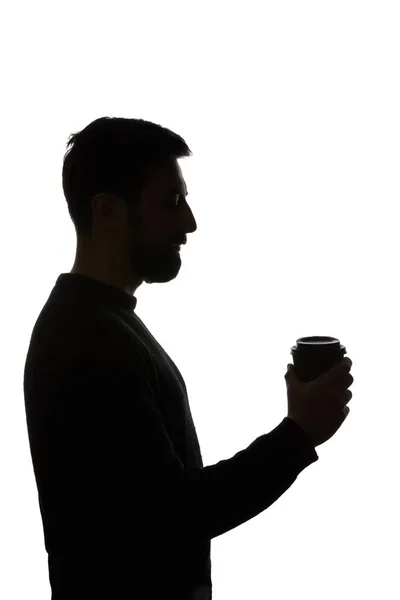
column 128, row 508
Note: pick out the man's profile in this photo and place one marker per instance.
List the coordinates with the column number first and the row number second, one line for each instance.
column 128, row 508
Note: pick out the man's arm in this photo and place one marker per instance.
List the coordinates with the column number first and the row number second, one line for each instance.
column 112, row 464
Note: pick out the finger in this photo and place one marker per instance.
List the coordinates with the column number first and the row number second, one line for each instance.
column 347, row 361
column 337, row 373
column 348, row 395
column 340, row 386
column 343, row 382
column 343, row 399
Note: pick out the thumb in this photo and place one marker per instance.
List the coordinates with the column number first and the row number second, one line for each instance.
column 290, row 375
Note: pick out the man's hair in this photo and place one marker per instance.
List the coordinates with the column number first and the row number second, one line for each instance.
column 113, row 155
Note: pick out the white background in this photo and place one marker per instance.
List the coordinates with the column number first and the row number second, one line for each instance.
column 292, row 112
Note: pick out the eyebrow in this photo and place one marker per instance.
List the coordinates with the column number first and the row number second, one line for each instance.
column 176, row 191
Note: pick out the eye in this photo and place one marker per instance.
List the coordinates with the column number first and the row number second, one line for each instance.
column 176, row 201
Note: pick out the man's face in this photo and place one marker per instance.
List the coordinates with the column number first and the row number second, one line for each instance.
column 162, row 219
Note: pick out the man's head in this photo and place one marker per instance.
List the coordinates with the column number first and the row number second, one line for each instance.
column 127, row 199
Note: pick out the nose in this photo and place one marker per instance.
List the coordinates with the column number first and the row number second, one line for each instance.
column 191, row 225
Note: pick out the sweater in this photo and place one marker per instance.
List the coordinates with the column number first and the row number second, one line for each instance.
column 127, row 506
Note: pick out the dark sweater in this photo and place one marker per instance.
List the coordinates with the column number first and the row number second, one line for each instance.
column 128, row 509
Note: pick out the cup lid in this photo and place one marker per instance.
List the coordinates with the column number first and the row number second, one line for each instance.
column 320, row 343
column 318, row 340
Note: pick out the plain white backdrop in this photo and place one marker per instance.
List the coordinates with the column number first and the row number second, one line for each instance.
column 291, row 110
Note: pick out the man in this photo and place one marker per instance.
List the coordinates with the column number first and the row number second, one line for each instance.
column 128, row 508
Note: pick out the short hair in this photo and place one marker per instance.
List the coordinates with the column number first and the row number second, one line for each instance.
column 113, row 155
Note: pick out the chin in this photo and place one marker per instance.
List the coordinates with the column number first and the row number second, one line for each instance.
column 162, row 277
column 162, row 271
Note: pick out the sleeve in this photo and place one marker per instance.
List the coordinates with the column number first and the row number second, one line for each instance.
column 113, row 465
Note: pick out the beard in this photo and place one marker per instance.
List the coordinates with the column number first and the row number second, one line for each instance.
column 156, row 263
column 153, row 263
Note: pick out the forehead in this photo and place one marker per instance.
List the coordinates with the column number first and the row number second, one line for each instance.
column 167, row 177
